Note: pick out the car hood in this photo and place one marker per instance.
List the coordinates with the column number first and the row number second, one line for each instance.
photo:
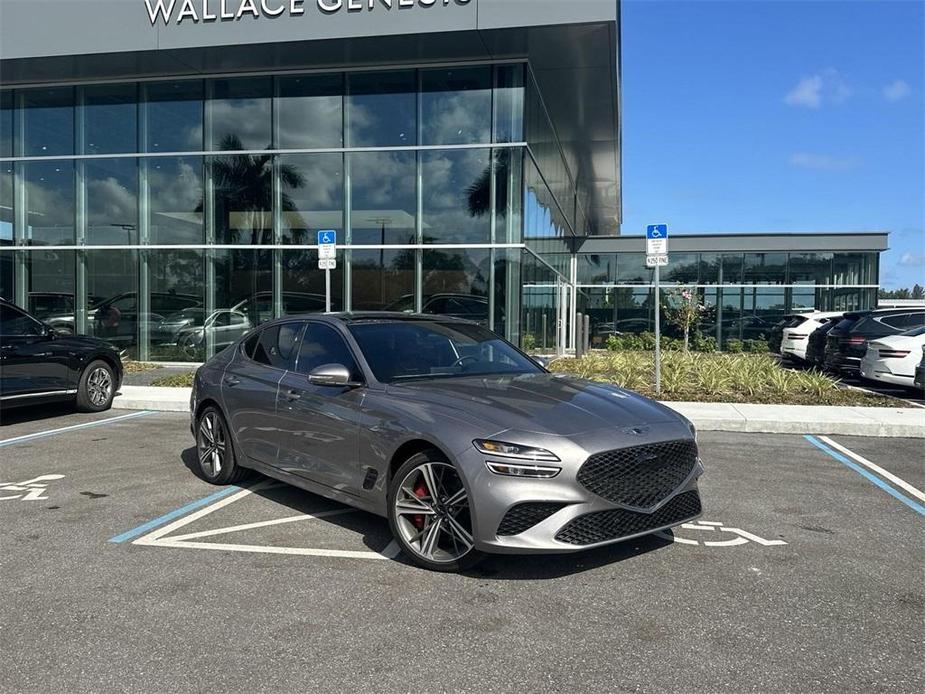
column 543, row 403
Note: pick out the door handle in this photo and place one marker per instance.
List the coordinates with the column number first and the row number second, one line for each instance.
column 292, row 395
column 231, row 381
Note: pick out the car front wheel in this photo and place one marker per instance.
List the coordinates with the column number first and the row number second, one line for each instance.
column 430, row 515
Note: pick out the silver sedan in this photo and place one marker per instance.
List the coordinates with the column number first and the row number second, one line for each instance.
column 463, row 442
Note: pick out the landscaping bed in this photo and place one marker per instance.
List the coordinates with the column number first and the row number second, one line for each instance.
column 717, row 377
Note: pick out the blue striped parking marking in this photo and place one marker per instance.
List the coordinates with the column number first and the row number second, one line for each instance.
column 167, row 517
column 915, row 506
column 75, row 427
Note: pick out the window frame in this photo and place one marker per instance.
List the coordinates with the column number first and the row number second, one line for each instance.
column 258, row 333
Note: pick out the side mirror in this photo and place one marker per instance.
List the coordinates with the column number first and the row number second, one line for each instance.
column 333, row 375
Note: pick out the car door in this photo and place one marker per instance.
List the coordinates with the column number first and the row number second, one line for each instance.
column 249, row 389
column 319, row 425
column 31, row 363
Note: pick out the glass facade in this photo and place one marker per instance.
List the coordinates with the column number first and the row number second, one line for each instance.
column 745, row 293
column 170, row 216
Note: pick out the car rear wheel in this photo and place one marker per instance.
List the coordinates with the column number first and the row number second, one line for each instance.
column 96, row 388
column 430, row 515
column 215, row 451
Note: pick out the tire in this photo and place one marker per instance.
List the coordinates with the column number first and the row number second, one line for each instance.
column 448, row 546
column 96, row 387
column 215, row 456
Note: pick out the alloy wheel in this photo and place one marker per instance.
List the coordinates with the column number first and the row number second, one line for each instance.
column 99, row 386
column 211, row 444
column 432, row 513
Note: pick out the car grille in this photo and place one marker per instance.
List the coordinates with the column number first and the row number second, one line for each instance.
column 611, row 525
column 640, row 476
column 524, row 516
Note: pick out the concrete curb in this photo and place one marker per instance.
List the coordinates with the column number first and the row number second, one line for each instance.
column 706, row 416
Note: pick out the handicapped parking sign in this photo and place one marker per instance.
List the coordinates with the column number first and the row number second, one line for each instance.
column 655, row 231
column 657, row 239
column 327, row 237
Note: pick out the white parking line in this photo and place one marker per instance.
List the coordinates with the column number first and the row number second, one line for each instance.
column 886, row 474
column 75, row 427
column 261, row 524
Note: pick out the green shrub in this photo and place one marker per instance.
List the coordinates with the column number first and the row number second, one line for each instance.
column 756, row 346
column 647, row 340
column 528, row 342
column 704, row 344
column 734, row 346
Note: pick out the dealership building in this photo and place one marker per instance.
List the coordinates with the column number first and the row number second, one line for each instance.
column 166, row 166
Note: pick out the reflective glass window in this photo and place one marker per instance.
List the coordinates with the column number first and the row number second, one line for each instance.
column 173, row 116
column 240, row 111
column 243, row 195
column 382, row 109
column 114, row 313
column 50, row 288
column 765, row 268
column 303, row 282
column 6, row 124
column 508, row 195
column 110, row 117
column 509, row 104
column 631, row 269
column 176, row 282
column 7, row 275
column 456, row 283
column 175, row 200
column 48, row 121
column 112, row 200
column 597, row 268
column 243, row 283
column 457, row 206
column 382, row 280
column 50, row 202
column 383, row 197
column 810, row 268
column 312, row 196
column 6, row 204
column 310, row 110
column 682, row 268
column 456, row 106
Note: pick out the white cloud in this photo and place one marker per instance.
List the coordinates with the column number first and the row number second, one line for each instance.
column 822, row 162
column 814, row 91
column 896, row 90
column 912, row 259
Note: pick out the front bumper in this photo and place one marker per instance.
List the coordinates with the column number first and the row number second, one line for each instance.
column 577, row 519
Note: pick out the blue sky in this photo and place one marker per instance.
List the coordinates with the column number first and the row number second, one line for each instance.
column 778, row 115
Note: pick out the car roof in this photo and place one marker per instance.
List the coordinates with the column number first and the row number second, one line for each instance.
column 354, row 317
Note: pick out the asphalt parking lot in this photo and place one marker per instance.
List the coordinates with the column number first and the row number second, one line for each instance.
column 122, row 571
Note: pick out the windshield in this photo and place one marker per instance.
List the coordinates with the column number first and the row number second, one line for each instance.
column 914, row 332
column 407, row 350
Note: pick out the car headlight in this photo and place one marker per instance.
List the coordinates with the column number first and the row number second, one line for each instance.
column 522, row 469
column 513, row 450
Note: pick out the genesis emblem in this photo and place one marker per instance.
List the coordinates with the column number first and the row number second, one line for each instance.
column 636, row 431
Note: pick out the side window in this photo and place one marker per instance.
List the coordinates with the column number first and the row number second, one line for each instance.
column 323, row 345
column 14, row 322
column 276, row 346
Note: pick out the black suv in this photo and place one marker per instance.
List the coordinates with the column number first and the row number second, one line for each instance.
column 39, row 365
column 847, row 342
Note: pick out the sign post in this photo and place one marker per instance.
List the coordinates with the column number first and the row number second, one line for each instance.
column 656, row 256
column 327, row 261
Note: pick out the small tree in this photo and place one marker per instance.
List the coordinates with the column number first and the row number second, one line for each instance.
column 685, row 310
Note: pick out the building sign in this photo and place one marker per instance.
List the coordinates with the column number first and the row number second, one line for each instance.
column 195, row 11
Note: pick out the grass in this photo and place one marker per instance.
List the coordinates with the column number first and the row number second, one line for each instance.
column 717, row 377
column 131, row 366
column 184, row 380
column 695, row 377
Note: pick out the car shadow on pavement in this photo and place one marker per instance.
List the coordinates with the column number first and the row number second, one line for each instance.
column 376, row 536
column 35, row 413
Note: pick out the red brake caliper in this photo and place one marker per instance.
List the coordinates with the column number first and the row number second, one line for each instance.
column 420, row 491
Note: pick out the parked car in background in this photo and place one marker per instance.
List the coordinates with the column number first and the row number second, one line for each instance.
column 796, row 334
column 39, row 365
column 847, row 342
column 815, row 345
column 223, row 327
column 893, row 359
column 919, row 380
column 838, row 333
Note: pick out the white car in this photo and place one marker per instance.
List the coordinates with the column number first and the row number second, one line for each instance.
column 893, row 359
column 796, row 333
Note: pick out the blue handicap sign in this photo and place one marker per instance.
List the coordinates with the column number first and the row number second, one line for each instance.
column 656, row 231
column 327, row 237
